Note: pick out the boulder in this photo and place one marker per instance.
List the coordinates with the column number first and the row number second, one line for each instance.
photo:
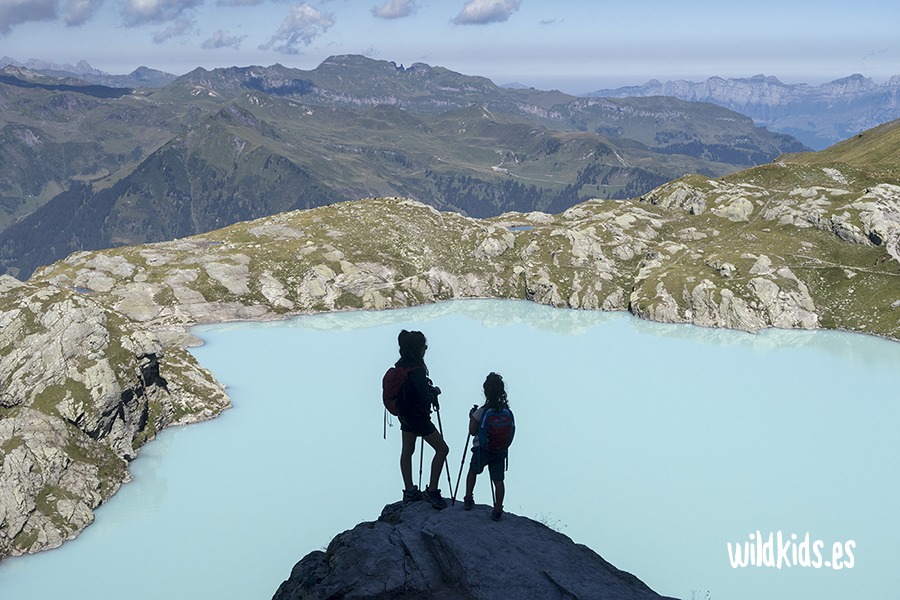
column 413, row 551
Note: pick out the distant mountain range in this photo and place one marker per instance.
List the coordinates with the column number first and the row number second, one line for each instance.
column 818, row 116
column 86, row 166
column 84, row 72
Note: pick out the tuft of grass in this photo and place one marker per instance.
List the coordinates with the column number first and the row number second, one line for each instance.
column 548, row 520
column 48, row 400
column 11, row 444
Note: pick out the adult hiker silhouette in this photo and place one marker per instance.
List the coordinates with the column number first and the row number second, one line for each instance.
column 417, row 398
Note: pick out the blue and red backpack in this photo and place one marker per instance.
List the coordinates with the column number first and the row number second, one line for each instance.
column 497, row 429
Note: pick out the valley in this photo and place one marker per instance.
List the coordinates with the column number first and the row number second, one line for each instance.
column 88, row 167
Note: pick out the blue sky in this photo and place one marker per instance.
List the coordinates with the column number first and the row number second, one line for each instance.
column 572, row 45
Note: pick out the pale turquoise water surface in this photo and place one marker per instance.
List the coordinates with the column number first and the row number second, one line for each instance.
column 653, row 444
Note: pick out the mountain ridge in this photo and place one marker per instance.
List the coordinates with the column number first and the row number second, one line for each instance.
column 793, row 109
column 142, row 76
column 85, row 163
column 854, row 103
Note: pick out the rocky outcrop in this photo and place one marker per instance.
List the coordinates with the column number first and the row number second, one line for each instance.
column 81, row 388
column 767, row 267
column 710, row 252
column 413, row 551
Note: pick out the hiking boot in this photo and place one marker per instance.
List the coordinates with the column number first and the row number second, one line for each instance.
column 497, row 513
column 412, row 495
column 468, row 502
column 435, row 499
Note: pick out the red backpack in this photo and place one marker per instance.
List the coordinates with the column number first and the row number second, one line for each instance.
column 392, row 387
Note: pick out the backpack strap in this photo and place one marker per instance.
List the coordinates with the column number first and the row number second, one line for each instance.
column 482, row 428
column 511, row 436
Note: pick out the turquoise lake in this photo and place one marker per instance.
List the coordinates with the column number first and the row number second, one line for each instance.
column 656, row 445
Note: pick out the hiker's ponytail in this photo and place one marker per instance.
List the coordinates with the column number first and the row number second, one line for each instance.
column 495, row 392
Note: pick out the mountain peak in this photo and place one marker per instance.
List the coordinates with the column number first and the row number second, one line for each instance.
column 18, row 72
column 345, row 61
column 144, row 73
column 419, row 552
column 769, row 79
column 853, row 80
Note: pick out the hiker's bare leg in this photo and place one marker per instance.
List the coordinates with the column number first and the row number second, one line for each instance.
column 470, row 483
column 406, row 454
column 500, row 491
column 436, row 441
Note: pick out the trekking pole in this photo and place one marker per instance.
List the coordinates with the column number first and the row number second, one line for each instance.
column 493, row 494
column 446, row 464
column 462, row 462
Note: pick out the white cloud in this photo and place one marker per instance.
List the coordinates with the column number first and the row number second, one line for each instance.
column 480, row 12
column 302, row 25
column 138, row 12
column 220, row 39
column 179, row 27
column 79, row 11
column 16, row 12
column 395, row 9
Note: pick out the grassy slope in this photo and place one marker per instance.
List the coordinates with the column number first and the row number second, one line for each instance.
column 804, row 205
column 874, row 150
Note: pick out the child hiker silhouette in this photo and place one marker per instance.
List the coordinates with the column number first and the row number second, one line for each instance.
column 493, row 427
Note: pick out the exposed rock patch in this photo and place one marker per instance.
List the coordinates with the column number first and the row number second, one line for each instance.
column 413, row 551
column 81, row 388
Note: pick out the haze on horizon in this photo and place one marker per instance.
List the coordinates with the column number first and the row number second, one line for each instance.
column 576, row 46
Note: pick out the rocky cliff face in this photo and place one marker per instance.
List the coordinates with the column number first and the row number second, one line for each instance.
column 81, row 388
column 413, row 551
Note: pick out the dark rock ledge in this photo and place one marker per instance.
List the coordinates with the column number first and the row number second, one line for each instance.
column 415, row 552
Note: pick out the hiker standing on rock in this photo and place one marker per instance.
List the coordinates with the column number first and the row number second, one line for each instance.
column 492, row 426
column 414, row 403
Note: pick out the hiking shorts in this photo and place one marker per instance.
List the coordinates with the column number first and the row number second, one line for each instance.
column 419, row 425
column 495, row 462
